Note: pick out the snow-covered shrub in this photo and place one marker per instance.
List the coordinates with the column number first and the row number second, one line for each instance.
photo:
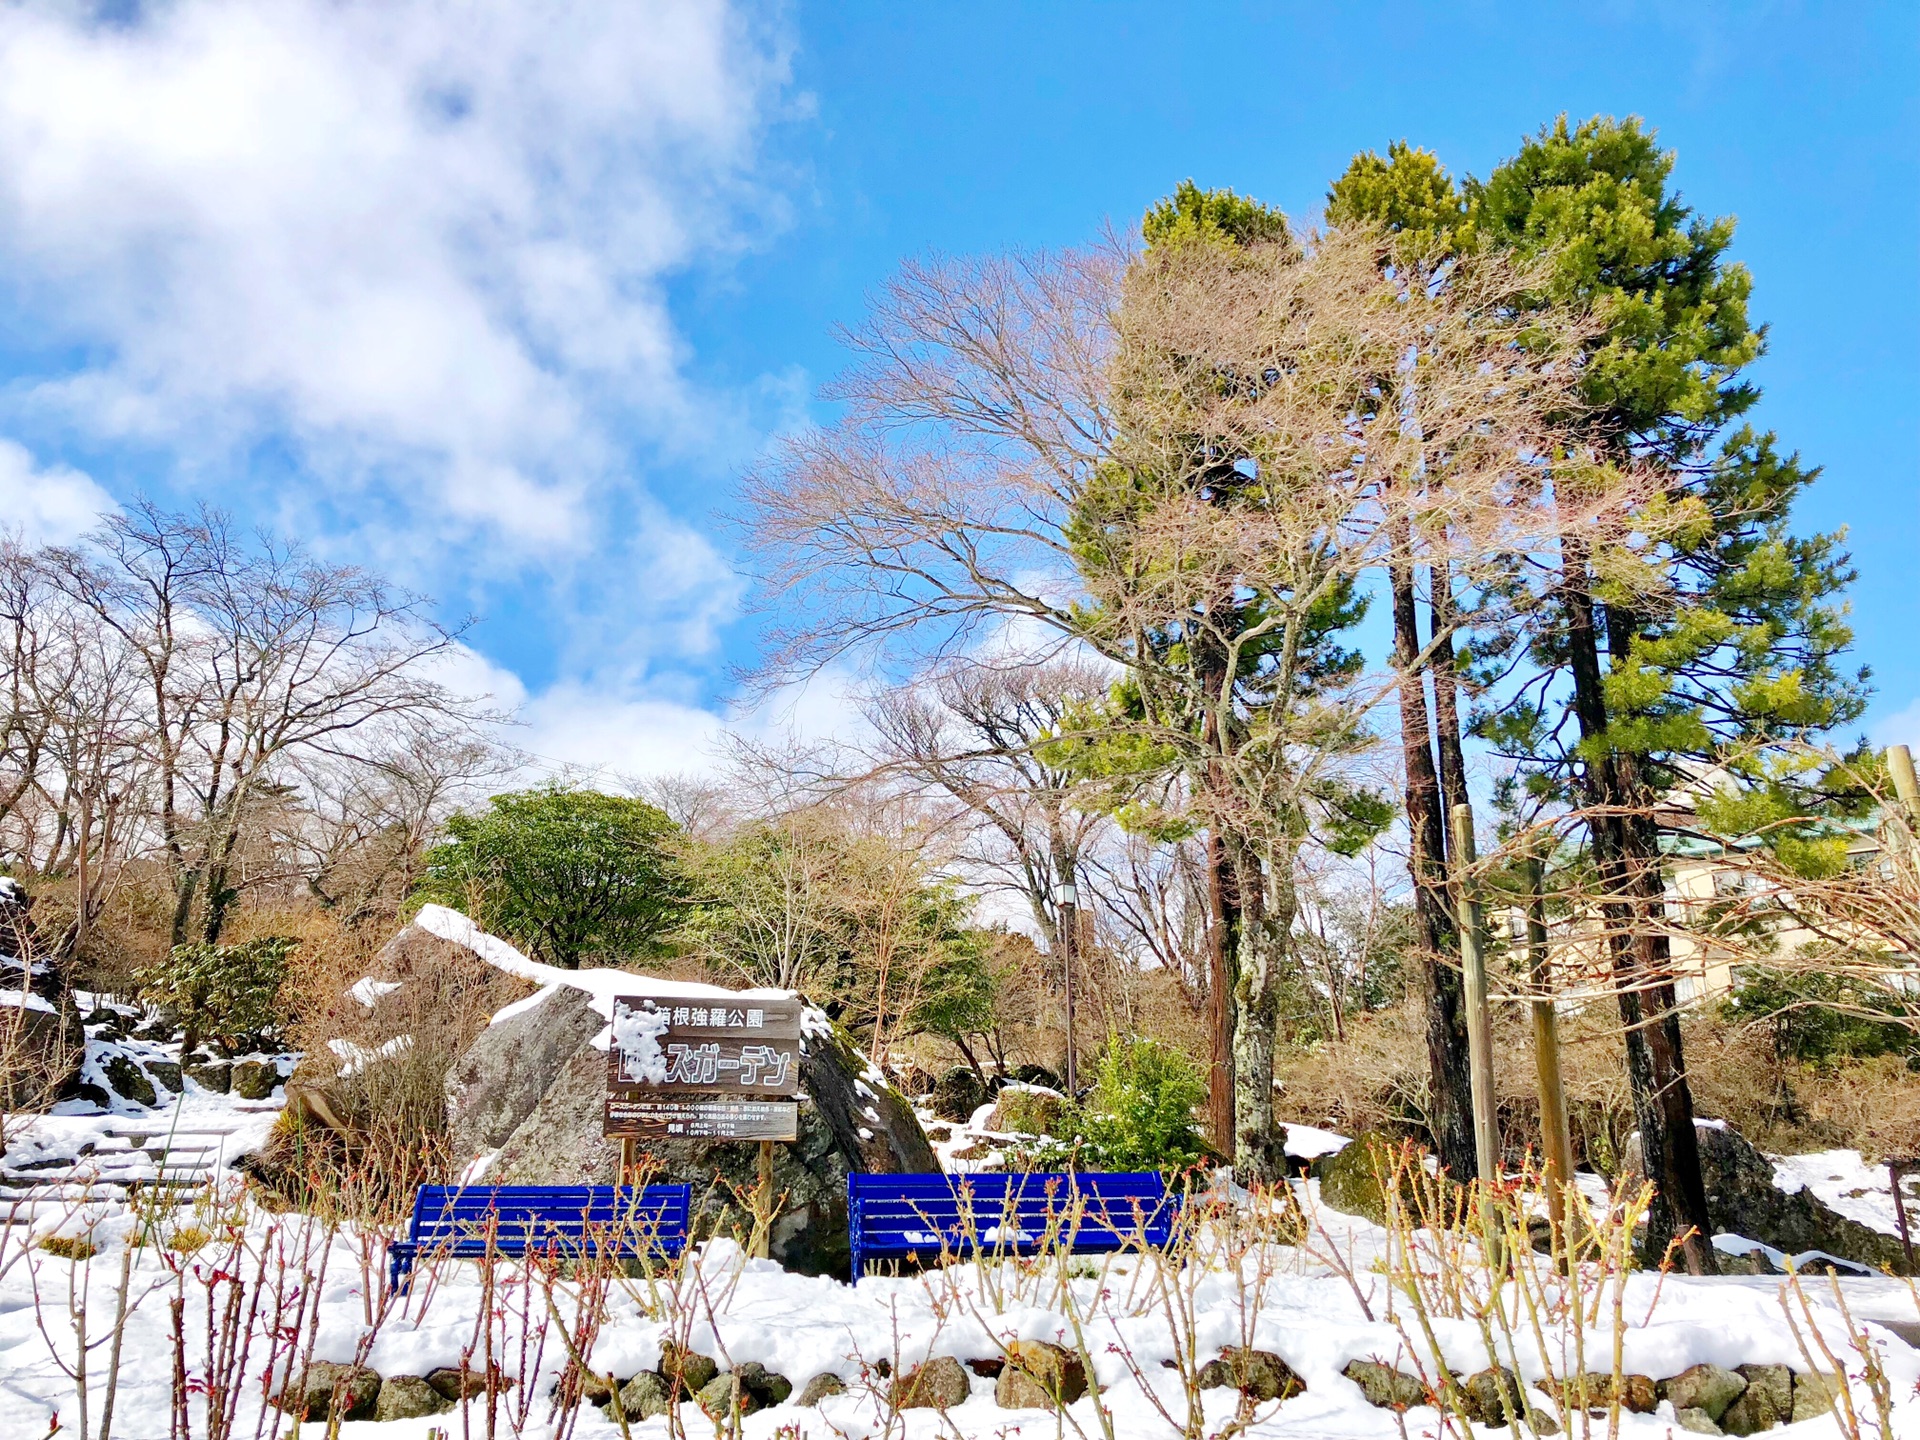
column 231, row 992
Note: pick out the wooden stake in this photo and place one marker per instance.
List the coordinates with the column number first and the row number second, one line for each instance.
column 1900, row 764
column 629, row 1159
column 1896, row 1168
column 763, row 1204
column 1556, row 1136
column 1473, row 966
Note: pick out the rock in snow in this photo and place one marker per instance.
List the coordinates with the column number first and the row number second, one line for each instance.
column 533, row 1086
column 1744, row 1198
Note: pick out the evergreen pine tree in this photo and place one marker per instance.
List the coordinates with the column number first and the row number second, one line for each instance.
column 1414, row 198
column 1714, row 635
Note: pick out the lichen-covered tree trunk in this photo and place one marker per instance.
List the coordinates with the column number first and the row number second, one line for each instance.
column 1268, row 905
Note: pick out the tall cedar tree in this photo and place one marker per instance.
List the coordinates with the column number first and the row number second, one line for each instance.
column 1720, row 632
column 1417, row 202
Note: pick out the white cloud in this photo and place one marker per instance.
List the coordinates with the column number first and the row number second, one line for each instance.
column 49, row 505
column 641, row 726
column 422, row 245
column 1900, row 728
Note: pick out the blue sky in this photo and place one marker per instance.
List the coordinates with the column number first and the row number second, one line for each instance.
column 501, row 298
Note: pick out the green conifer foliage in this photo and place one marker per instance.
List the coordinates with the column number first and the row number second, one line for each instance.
column 1712, row 631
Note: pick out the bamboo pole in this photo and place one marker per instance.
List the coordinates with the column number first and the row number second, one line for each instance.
column 1900, row 763
column 1473, row 966
column 1556, row 1135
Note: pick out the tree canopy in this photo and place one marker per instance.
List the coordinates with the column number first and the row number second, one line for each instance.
column 565, row 873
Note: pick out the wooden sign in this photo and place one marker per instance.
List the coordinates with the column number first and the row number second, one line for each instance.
column 717, row 1068
column 686, row 1117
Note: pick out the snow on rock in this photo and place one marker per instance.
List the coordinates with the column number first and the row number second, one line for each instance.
column 1848, row 1184
column 368, row 990
column 636, row 1035
column 1310, row 1142
column 602, row 986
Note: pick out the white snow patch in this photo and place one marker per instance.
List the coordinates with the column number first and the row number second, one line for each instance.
column 356, row 1058
column 368, row 990
column 636, row 1034
column 1310, row 1142
column 1848, row 1185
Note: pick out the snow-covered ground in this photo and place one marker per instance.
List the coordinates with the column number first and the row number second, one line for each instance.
column 311, row 1292
column 738, row 1310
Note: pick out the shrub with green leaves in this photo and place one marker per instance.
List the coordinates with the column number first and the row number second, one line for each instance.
column 1819, row 1019
column 1140, row 1114
column 231, row 992
column 563, row 873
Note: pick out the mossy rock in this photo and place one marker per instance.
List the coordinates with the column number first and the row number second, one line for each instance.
column 1027, row 1110
column 255, row 1079
column 940, row 1384
column 1385, row 1387
column 1351, row 1178
column 820, row 1387
column 128, row 1080
column 645, row 1396
column 957, row 1094
column 693, row 1370
column 408, row 1397
column 1766, row 1402
column 1039, row 1376
column 1258, row 1374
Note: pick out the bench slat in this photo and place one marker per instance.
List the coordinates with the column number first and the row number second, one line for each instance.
column 463, row 1221
column 1014, row 1213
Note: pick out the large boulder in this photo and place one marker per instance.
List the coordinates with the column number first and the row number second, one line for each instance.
column 1743, row 1199
column 44, row 1046
column 957, row 1094
column 534, row 1088
column 40, row 1030
column 1353, row 1178
column 1027, row 1110
column 502, row 1076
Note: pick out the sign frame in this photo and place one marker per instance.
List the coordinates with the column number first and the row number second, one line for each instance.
column 696, row 1070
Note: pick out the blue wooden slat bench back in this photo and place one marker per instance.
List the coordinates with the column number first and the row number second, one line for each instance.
column 893, row 1217
column 472, row 1221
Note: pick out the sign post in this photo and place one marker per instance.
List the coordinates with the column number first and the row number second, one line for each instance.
column 722, row 1068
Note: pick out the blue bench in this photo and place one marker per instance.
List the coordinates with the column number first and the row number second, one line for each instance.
column 906, row 1217
column 466, row 1222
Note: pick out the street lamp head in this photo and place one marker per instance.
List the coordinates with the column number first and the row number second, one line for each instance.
column 1065, row 894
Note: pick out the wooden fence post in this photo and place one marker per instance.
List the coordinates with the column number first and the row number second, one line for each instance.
column 1473, row 966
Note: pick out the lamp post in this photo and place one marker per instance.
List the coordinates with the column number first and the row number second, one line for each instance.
column 1066, row 901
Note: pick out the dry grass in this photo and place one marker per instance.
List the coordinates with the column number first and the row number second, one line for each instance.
column 1376, row 1080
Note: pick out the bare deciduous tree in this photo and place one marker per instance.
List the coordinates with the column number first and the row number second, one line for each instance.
column 975, row 735
column 228, row 704
column 1180, row 461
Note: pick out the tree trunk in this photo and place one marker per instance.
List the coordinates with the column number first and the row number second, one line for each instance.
column 1450, row 1107
column 1656, row 1069
column 1446, row 694
column 1679, row 1177
column 1267, row 912
column 1223, row 934
column 185, row 886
